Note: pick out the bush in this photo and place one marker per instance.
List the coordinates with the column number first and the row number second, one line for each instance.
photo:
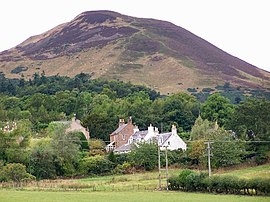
column 145, row 156
column 261, row 158
column 182, row 178
column 188, row 180
column 15, row 172
column 193, row 182
column 96, row 165
column 124, row 168
column 263, row 186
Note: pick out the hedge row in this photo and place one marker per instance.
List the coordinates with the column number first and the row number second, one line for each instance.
column 189, row 180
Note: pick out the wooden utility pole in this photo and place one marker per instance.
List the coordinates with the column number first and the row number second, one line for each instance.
column 166, row 156
column 159, row 169
column 209, row 156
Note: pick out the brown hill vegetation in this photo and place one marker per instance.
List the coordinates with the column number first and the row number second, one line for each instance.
column 109, row 45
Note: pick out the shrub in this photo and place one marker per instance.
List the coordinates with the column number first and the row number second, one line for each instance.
column 15, row 172
column 188, row 180
column 174, row 183
column 261, row 158
column 124, row 168
column 192, row 182
column 263, row 186
column 96, row 165
column 144, row 156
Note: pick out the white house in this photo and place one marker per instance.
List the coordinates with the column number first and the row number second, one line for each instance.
column 170, row 140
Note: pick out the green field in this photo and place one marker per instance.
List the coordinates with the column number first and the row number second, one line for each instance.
column 262, row 171
column 149, row 180
column 133, row 187
column 34, row 196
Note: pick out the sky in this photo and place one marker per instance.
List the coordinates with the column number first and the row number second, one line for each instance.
column 239, row 27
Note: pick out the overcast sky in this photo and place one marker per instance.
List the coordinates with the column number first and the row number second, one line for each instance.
column 239, row 27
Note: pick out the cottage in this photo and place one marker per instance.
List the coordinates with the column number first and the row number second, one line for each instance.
column 170, row 140
column 121, row 135
column 75, row 126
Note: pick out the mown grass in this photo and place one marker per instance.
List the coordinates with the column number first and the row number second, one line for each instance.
column 34, row 196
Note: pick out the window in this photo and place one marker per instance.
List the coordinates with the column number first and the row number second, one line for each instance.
column 123, row 136
column 169, row 143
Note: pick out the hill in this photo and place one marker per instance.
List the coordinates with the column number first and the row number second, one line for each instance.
column 110, row 45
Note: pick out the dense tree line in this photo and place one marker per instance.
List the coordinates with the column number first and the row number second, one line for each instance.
column 81, row 83
column 240, row 132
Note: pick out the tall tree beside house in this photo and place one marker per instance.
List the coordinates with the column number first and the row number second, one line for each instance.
column 102, row 117
column 182, row 109
column 83, row 104
column 201, row 129
column 140, row 108
column 217, row 108
column 42, row 160
column 66, row 148
column 251, row 121
column 225, row 149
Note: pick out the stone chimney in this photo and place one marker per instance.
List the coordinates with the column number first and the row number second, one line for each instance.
column 73, row 118
column 136, row 129
column 130, row 120
column 156, row 131
column 151, row 130
column 174, row 130
column 121, row 122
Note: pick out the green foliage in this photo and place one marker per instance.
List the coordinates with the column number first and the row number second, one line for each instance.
column 97, row 147
column 217, row 108
column 66, row 149
column 188, row 180
column 252, row 118
column 13, row 145
column 181, row 109
column 36, row 103
column 58, row 155
column 201, row 129
column 124, row 168
column 42, row 160
column 96, row 165
column 144, row 156
column 225, row 149
column 15, row 172
column 84, row 146
column 251, row 121
column 111, row 157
